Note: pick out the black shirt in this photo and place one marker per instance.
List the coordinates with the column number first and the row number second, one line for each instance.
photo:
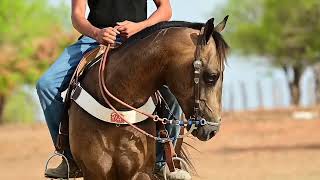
column 106, row 13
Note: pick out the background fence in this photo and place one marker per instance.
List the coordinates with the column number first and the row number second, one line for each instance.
column 265, row 94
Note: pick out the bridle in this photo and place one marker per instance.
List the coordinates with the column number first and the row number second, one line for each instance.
column 194, row 122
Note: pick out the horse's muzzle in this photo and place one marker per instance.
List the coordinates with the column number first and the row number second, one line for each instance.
column 206, row 132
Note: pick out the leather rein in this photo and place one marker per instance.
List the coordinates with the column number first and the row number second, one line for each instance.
column 194, row 122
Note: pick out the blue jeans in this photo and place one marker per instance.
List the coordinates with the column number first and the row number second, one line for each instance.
column 175, row 112
column 57, row 78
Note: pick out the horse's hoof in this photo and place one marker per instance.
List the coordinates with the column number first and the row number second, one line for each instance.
column 179, row 175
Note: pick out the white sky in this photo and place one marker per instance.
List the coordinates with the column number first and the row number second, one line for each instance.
column 185, row 10
column 191, row 10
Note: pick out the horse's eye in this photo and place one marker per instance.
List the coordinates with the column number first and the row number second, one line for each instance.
column 210, row 78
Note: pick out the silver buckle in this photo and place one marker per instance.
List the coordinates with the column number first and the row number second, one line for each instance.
column 76, row 92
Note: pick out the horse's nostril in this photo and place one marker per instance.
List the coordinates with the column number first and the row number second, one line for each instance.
column 211, row 134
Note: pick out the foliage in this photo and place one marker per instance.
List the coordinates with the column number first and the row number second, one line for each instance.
column 287, row 32
column 31, row 35
column 20, row 108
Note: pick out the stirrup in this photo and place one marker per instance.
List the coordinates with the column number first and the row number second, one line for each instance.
column 184, row 163
column 56, row 153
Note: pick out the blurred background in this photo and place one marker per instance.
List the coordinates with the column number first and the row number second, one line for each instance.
column 271, row 93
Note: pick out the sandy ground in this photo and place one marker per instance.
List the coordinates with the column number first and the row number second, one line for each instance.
column 262, row 145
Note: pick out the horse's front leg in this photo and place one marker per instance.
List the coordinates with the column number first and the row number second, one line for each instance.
column 130, row 161
column 91, row 144
column 93, row 176
column 136, row 156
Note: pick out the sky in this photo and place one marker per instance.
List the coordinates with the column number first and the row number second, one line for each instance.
column 191, row 10
column 184, row 10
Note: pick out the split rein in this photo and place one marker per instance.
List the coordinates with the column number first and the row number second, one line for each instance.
column 106, row 93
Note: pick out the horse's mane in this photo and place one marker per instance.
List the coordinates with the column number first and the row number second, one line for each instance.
column 163, row 25
column 221, row 45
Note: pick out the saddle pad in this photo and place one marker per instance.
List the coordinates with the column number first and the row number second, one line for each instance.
column 90, row 105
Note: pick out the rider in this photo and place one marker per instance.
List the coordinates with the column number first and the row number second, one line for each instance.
column 109, row 21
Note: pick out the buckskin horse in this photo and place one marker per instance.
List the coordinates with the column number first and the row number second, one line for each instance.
column 187, row 57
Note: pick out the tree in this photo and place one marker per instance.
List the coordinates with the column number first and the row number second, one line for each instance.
column 287, row 32
column 31, row 35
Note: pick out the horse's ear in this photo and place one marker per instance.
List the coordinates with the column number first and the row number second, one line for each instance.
column 208, row 29
column 220, row 27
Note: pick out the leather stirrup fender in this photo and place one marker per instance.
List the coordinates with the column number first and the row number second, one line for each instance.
column 168, row 147
column 169, row 153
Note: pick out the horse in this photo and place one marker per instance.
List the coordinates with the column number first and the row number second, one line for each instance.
column 163, row 54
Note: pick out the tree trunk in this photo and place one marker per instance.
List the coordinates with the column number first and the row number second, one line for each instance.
column 293, row 78
column 294, row 85
column 2, row 102
column 316, row 70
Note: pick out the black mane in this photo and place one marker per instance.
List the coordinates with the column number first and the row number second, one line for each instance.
column 164, row 25
column 221, row 45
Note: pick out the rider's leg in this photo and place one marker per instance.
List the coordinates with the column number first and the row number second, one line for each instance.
column 174, row 112
column 56, row 80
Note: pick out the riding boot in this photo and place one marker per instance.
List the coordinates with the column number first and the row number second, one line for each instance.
column 62, row 171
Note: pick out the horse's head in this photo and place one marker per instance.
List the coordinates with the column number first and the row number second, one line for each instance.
column 198, row 76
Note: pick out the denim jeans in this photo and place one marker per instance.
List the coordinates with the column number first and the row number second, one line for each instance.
column 57, row 78
column 174, row 112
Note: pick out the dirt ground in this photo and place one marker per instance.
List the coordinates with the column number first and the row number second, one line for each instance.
column 260, row 145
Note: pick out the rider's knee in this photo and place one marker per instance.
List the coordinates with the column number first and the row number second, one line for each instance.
column 43, row 84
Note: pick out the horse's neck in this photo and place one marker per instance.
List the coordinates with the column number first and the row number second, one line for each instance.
column 132, row 74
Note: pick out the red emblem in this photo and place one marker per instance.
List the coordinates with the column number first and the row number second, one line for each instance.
column 115, row 118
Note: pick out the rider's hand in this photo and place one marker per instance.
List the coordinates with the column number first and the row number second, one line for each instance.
column 128, row 28
column 107, row 35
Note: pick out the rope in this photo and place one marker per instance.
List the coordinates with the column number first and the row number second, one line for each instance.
column 105, row 92
column 103, row 87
